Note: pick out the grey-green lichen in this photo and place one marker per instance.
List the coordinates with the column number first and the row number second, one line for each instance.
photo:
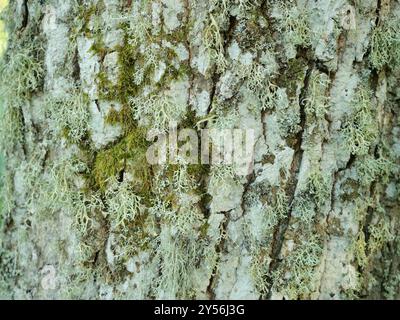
column 360, row 130
column 70, row 114
column 385, row 43
column 183, row 231
column 22, row 72
column 296, row 279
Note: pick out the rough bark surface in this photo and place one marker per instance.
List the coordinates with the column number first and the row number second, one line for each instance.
column 85, row 216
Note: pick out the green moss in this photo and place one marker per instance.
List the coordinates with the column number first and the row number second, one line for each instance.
column 126, row 63
column 204, row 229
column 293, row 76
column 137, row 65
column 81, row 19
column 138, row 57
column 121, row 117
column 128, row 154
column 125, row 86
column 98, row 47
column 190, row 120
column 360, row 250
column 198, row 170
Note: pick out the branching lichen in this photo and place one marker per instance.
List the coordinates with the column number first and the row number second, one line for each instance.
column 22, row 72
column 214, row 44
column 317, row 101
column 293, row 24
column 260, row 222
column 296, row 277
column 69, row 114
column 122, row 204
column 309, row 201
column 360, row 130
column 11, row 128
column 380, row 234
column 177, row 256
column 385, row 44
column 157, row 110
column 371, row 169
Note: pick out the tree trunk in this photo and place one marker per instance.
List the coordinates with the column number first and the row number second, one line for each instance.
column 85, row 215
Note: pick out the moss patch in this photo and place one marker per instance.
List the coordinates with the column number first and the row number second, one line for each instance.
column 127, row 155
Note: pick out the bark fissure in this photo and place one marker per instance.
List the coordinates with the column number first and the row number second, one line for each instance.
column 219, row 250
column 280, row 232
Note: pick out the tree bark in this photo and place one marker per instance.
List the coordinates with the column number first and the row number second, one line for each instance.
column 85, row 216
